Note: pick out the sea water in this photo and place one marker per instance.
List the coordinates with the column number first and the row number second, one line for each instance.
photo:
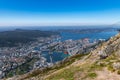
column 58, row 56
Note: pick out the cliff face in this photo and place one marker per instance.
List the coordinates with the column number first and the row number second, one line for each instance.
column 101, row 64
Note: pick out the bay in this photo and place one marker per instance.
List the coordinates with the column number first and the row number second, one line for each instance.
column 58, row 56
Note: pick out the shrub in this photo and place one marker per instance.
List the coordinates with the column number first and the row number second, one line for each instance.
column 118, row 72
column 92, row 75
column 110, row 68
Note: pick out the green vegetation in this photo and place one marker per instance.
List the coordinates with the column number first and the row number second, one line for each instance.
column 10, row 74
column 12, row 38
column 86, row 71
column 97, row 66
column 67, row 74
column 92, row 75
column 22, row 69
column 88, row 68
column 110, row 68
column 58, row 66
column 118, row 72
column 111, row 57
column 110, row 60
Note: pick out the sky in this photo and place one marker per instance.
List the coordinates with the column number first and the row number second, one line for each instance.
column 59, row 12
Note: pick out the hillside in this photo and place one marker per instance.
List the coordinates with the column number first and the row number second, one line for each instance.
column 12, row 38
column 101, row 64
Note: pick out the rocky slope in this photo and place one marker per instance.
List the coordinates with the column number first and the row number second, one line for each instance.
column 101, row 64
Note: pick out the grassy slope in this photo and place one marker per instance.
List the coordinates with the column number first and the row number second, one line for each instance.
column 83, row 67
column 90, row 67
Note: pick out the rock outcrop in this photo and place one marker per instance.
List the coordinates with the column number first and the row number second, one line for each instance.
column 103, row 63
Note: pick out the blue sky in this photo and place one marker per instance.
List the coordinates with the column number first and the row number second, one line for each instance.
column 58, row 12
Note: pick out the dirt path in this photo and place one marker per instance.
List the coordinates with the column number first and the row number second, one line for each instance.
column 106, row 75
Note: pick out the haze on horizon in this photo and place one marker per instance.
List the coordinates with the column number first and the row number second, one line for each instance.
column 58, row 12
